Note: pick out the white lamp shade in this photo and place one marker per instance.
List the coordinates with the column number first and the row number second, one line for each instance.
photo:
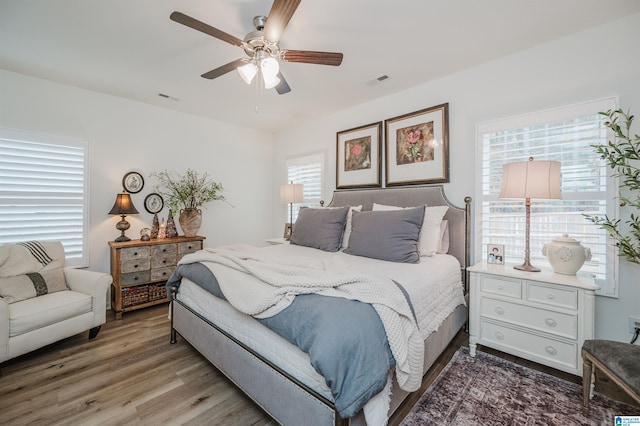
column 270, row 82
column 270, row 68
column 247, row 72
column 290, row 193
column 531, row 179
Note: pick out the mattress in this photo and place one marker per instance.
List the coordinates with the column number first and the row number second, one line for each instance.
column 433, row 285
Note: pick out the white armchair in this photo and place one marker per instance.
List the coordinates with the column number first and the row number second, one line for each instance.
column 30, row 323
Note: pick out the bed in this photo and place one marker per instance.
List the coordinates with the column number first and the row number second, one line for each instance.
column 276, row 374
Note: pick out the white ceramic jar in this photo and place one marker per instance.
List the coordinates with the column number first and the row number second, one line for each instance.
column 566, row 254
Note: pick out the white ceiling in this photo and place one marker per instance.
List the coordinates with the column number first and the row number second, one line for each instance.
column 130, row 48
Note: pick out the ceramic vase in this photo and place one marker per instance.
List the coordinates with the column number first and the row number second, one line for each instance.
column 190, row 221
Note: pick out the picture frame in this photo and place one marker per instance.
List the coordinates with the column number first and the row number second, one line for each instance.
column 358, row 157
column 133, row 182
column 153, row 203
column 495, row 254
column 288, row 230
column 417, row 147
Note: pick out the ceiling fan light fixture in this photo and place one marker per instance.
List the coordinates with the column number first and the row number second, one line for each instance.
column 270, row 82
column 248, row 72
column 270, row 68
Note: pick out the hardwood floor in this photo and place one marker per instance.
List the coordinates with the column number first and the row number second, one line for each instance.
column 130, row 374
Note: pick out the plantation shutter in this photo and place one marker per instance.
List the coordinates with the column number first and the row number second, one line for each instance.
column 566, row 135
column 44, row 191
column 308, row 171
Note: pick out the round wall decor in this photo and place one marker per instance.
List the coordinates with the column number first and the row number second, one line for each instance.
column 133, row 182
column 153, row 203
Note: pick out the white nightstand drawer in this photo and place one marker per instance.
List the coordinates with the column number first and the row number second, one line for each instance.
column 556, row 353
column 551, row 295
column 501, row 286
column 560, row 324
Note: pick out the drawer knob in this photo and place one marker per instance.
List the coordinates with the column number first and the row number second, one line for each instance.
column 164, row 273
column 135, row 266
column 551, row 350
column 189, row 247
column 550, row 322
column 499, row 335
column 135, row 278
column 500, row 287
column 550, row 296
column 135, row 253
column 499, row 310
column 164, row 250
column 164, row 261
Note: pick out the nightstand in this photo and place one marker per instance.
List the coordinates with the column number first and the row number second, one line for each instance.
column 140, row 270
column 276, row 241
column 541, row 316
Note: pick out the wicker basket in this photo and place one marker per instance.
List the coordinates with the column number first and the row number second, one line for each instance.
column 157, row 292
column 135, row 295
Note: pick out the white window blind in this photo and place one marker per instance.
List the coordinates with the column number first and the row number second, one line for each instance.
column 566, row 135
column 44, row 191
column 308, row 171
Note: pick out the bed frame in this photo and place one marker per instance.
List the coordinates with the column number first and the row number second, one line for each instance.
column 283, row 397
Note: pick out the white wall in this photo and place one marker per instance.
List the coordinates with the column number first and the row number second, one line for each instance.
column 594, row 64
column 125, row 135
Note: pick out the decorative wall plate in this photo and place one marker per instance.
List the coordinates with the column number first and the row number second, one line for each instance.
column 133, row 182
column 153, row 203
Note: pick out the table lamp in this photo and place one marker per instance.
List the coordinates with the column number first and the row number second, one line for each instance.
column 290, row 193
column 123, row 206
column 530, row 180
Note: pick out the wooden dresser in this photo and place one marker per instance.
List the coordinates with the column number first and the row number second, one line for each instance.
column 541, row 316
column 140, row 270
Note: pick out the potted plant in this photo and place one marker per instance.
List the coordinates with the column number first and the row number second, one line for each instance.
column 185, row 194
column 623, row 156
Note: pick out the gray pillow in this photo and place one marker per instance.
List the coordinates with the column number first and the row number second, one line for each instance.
column 387, row 235
column 320, row 228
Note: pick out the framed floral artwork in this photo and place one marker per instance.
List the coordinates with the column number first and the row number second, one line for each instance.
column 417, row 147
column 358, row 162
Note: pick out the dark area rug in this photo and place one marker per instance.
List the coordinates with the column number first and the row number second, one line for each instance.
column 487, row 390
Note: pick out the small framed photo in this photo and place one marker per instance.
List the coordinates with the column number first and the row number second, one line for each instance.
column 288, row 229
column 133, row 182
column 495, row 254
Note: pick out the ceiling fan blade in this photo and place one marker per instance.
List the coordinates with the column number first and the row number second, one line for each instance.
column 190, row 22
column 311, row 57
column 224, row 69
column 279, row 16
column 283, row 86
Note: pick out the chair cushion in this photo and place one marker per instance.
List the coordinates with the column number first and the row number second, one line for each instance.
column 38, row 312
column 20, row 287
column 621, row 359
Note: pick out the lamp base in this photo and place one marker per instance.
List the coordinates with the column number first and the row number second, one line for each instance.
column 122, row 238
column 526, row 266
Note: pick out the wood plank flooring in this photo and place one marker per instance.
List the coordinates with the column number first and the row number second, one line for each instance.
column 130, row 374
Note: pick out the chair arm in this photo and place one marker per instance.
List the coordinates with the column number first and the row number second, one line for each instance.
column 4, row 330
column 95, row 284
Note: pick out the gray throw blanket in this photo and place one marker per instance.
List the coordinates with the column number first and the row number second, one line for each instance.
column 345, row 339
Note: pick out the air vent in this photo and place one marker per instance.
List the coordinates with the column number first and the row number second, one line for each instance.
column 378, row 80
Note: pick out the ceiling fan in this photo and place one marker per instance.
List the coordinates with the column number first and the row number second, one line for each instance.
column 261, row 47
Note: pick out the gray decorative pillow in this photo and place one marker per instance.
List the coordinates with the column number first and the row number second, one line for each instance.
column 387, row 235
column 320, row 228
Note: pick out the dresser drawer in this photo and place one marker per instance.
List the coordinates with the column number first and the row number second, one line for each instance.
column 502, row 286
column 553, row 352
column 188, row 247
column 161, row 274
column 550, row 295
column 163, row 250
column 140, row 277
column 163, row 261
column 548, row 321
column 132, row 253
column 142, row 264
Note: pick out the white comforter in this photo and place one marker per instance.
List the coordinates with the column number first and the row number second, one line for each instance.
column 272, row 284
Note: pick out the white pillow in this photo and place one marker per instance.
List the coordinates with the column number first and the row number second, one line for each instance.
column 347, row 226
column 430, row 234
column 443, row 247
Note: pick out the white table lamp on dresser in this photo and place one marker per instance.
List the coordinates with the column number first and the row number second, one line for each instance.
column 543, row 316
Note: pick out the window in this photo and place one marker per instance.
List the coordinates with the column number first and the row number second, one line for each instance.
column 44, row 183
column 566, row 135
column 308, row 171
